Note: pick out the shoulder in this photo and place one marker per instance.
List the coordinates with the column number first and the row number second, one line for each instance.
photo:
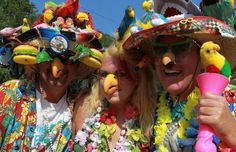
column 10, row 92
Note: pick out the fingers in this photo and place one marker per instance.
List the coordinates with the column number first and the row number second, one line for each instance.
column 212, row 100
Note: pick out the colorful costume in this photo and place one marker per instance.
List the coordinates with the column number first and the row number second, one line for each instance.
column 27, row 118
column 18, row 119
column 176, row 127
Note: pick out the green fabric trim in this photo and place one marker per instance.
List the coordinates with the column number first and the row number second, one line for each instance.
column 43, row 56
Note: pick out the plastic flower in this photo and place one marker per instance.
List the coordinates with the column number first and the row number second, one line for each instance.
column 108, row 117
column 81, row 137
column 107, row 130
column 134, row 135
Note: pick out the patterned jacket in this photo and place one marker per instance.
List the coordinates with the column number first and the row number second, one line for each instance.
column 18, row 118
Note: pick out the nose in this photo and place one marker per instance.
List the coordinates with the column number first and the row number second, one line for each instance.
column 168, row 58
column 110, row 84
column 57, row 67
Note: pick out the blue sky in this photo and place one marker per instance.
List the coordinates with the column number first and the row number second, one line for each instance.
column 106, row 14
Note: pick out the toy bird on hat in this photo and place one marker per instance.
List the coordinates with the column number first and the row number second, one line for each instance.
column 55, row 37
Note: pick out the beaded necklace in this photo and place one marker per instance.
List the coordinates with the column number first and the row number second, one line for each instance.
column 99, row 128
column 174, row 119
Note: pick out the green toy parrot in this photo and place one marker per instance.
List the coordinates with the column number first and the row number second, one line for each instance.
column 213, row 61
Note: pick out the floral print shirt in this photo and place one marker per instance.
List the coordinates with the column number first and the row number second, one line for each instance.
column 18, row 118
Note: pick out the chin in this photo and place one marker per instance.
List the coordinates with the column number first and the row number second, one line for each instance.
column 114, row 100
column 175, row 88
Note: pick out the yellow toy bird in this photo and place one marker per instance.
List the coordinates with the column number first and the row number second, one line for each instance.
column 25, row 26
column 213, row 61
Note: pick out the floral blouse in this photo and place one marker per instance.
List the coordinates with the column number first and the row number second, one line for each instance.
column 18, row 118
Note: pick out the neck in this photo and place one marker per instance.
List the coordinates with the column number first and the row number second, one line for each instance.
column 50, row 93
column 184, row 95
column 120, row 111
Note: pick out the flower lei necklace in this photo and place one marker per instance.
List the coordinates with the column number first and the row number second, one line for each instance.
column 165, row 117
column 98, row 129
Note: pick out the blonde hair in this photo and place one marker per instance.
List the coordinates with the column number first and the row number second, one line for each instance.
column 95, row 97
column 144, row 95
column 147, row 88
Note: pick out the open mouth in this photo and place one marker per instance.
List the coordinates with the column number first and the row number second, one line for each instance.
column 172, row 9
column 171, row 72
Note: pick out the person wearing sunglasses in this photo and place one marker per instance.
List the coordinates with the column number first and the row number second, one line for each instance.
column 174, row 51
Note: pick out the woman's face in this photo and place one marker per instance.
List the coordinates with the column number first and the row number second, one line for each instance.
column 116, row 82
column 176, row 77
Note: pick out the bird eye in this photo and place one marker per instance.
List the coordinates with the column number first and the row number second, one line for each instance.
column 208, row 51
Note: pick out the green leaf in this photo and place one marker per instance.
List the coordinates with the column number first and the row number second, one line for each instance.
column 78, row 148
column 136, row 149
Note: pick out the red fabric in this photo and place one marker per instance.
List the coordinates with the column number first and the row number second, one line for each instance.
column 213, row 69
column 70, row 8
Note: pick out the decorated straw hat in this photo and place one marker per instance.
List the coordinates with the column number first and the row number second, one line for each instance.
column 57, row 35
column 187, row 24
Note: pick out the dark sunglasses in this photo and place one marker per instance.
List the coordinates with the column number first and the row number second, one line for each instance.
column 179, row 48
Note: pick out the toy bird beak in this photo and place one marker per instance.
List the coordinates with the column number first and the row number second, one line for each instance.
column 132, row 14
column 168, row 58
column 57, row 67
column 110, row 84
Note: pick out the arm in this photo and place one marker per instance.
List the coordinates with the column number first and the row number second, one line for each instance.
column 213, row 110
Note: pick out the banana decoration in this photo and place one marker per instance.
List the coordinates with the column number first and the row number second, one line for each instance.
column 110, row 84
column 57, row 67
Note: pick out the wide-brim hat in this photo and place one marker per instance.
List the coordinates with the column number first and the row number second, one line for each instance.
column 199, row 28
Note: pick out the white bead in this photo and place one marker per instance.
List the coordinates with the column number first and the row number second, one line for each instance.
column 123, row 131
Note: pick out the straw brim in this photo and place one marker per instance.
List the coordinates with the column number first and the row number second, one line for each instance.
column 214, row 30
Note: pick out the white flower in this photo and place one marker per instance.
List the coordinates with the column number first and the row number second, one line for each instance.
column 123, row 132
column 99, row 109
column 81, row 137
column 95, row 138
column 97, row 125
column 88, row 128
column 121, row 138
column 97, row 117
column 94, row 145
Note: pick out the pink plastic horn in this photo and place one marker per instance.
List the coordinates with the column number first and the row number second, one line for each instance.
column 213, row 83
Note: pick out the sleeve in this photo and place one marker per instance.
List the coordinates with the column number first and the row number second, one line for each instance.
column 7, row 102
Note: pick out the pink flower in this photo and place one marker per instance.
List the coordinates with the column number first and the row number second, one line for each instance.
column 89, row 148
